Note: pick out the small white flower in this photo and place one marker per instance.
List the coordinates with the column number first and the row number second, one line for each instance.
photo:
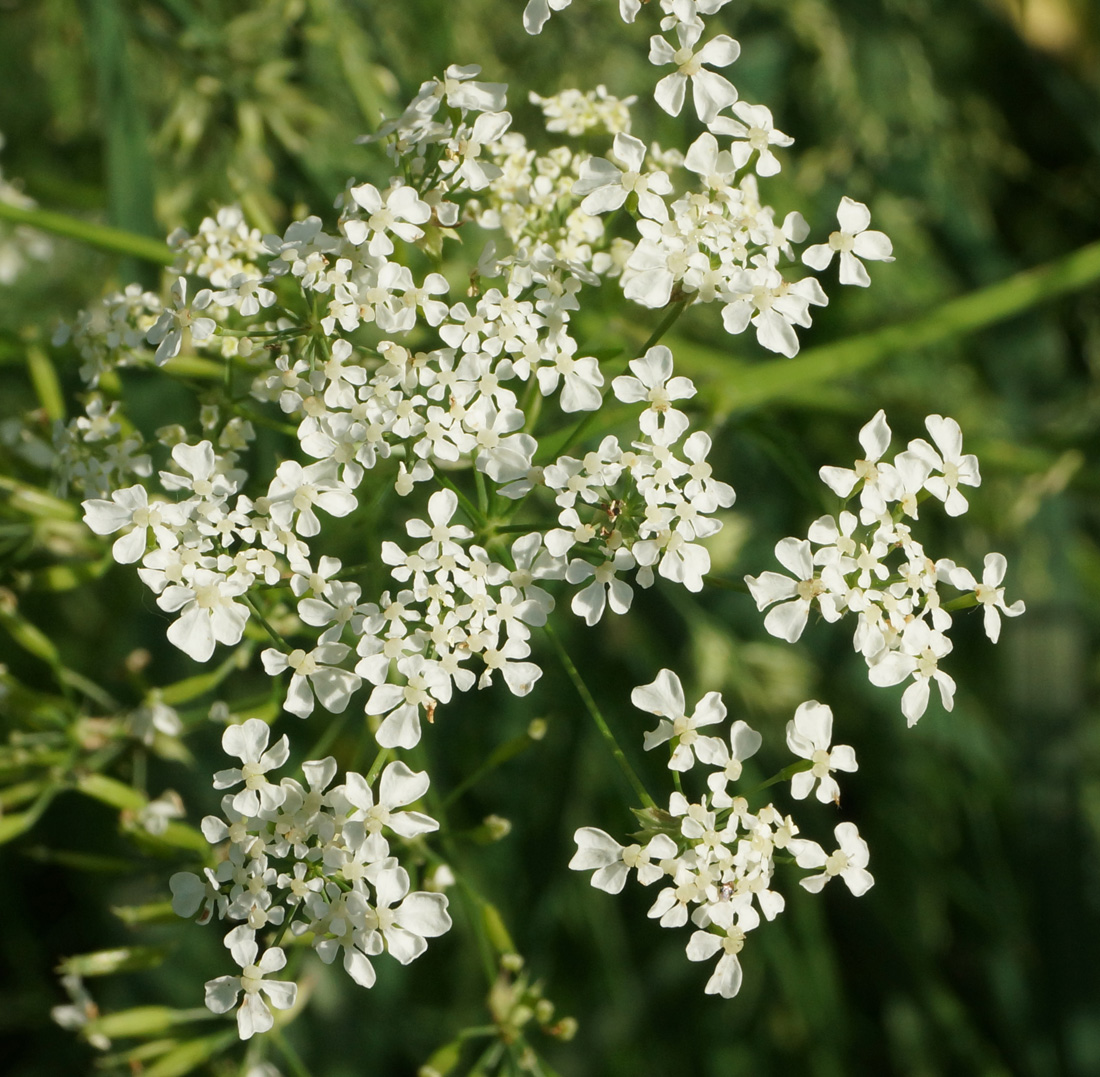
column 665, row 697
column 711, row 92
column 254, row 1014
column 613, row 862
column 733, row 919
column 605, row 186
column 248, row 742
column 756, row 128
column 792, row 597
column 849, row 861
column 809, row 735
column 653, row 382
column 990, row 593
column 314, row 673
column 880, row 481
column 955, row 467
column 744, row 743
column 852, row 242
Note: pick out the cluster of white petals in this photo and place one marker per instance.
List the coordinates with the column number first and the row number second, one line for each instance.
column 316, row 855
column 383, row 378
column 716, row 856
column 869, row 564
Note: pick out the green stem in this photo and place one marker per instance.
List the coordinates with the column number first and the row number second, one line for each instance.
column 293, row 1060
column 499, row 756
column 100, row 236
column 666, row 323
column 785, row 775
column 376, row 767
column 468, row 506
column 726, row 584
column 598, row 718
column 963, row 602
column 279, row 641
column 750, row 386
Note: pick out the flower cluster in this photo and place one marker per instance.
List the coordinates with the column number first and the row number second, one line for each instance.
column 474, row 405
column 868, row 563
column 716, row 856
column 314, row 858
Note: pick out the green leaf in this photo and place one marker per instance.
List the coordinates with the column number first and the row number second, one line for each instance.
column 109, row 791
column 192, row 687
column 30, row 637
column 100, row 236
column 128, row 160
column 156, row 912
column 108, row 962
column 45, row 382
column 190, row 1055
column 144, row 1021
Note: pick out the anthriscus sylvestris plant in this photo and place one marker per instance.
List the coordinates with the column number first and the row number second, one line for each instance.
column 388, row 374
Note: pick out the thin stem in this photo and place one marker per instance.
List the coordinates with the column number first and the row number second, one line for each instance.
column 482, row 493
column 325, row 740
column 726, row 584
column 785, row 775
column 280, row 642
column 379, row 762
column 100, row 236
column 470, row 508
column 293, row 1060
column 601, row 723
column 501, row 755
column 666, row 323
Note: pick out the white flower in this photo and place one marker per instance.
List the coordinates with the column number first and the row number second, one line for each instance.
column 407, row 925
column 665, row 697
column 605, row 186
column 809, row 735
column 537, row 12
column 582, row 379
column 787, row 620
column 295, row 490
column 248, row 742
column 605, row 589
column 425, row 681
column 955, row 467
column 441, row 533
column 711, row 92
column 849, row 861
column 613, row 862
column 880, row 481
column 254, row 1014
column 131, row 508
column 733, row 918
column 653, row 382
column 758, row 131
column 399, row 786
column 744, row 743
column 207, row 612
column 920, row 649
column 168, row 331
column 399, row 212
column 853, row 241
column 315, row 672
column 991, row 596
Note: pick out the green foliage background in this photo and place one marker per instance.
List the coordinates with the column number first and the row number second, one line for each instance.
column 972, row 129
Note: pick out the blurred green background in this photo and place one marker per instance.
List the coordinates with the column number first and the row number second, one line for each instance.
column 972, row 130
